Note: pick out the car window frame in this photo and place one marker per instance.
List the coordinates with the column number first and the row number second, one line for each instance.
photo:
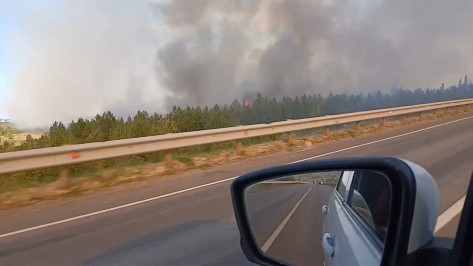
column 350, row 205
column 343, row 198
column 365, row 226
column 350, row 198
column 362, row 223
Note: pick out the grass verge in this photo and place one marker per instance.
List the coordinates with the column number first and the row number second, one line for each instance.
column 29, row 189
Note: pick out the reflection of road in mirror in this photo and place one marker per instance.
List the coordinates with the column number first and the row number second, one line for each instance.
column 286, row 219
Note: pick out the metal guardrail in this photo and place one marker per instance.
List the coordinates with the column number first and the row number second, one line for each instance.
column 67, row 155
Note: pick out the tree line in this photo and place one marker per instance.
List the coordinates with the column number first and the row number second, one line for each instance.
column 107, row 126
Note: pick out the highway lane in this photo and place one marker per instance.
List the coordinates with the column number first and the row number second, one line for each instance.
column 197, row 227
column 301, row 240
column 298, row 240
column 266, row 209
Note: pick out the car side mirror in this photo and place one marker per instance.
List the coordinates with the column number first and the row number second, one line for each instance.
column 364, row 211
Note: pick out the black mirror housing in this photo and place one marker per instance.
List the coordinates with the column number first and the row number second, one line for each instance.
column 398, row 171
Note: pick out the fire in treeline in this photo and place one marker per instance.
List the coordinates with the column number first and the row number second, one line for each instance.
column 248, row 99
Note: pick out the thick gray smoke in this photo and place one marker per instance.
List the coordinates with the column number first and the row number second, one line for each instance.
column 79, row 58
column 222, row 49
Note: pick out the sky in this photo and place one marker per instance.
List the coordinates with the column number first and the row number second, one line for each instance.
column 3, row 90
column 5, row 28
column 61, row 60
column 64, row 59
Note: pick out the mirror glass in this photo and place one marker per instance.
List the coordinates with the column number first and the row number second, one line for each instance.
column 331, row 217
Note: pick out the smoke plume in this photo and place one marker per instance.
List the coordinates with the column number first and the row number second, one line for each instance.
column 86, row 57
column 285, row 48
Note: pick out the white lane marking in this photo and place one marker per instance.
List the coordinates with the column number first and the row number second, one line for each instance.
column 449, row 214
column 115, row 208
column 201, row 186
column 278, row 230
column 380, row 140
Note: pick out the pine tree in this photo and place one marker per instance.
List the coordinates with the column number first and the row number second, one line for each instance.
column 57, row 134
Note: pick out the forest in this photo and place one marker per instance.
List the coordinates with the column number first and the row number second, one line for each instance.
column 107, row 127
column 258, row 109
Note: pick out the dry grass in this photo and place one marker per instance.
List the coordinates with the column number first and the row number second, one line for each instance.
column 113, row 177
column 19, row 138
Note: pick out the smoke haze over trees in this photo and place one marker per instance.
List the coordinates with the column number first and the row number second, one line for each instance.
column 107, row 126
column 80, row 58
column 262, row 110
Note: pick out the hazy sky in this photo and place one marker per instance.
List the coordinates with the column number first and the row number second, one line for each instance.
column 5, row 65
column 64, row 59
column 60, row 60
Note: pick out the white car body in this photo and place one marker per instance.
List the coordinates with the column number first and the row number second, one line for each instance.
column 345, row 238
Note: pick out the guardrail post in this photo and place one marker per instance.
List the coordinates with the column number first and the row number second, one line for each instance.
column 357, row 125
column 168, row 165
column 290, row 137
column 63, row 181
column 327, row 131
column 403, row 118
column 435, row 111
column 383, row 121
column 239, row 149
column 421, row 115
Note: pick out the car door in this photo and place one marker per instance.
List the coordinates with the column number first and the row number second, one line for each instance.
column 333, row 226
column 349, row 234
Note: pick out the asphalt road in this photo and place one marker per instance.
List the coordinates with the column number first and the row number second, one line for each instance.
column 268, row 208
column 298, row 240
column 177, row 223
